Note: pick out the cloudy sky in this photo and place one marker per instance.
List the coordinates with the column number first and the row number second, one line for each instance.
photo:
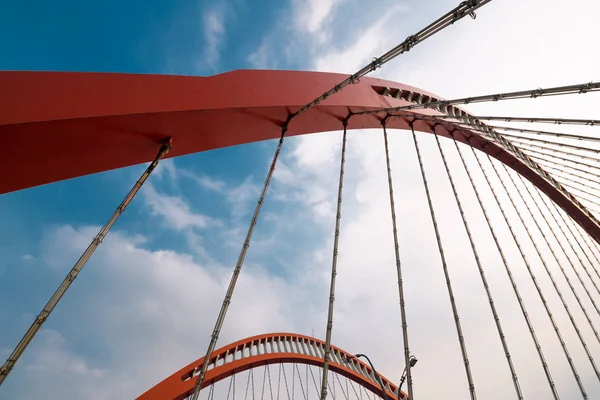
column 145, row 305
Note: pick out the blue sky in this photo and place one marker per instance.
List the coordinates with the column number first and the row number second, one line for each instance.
column 145, row 304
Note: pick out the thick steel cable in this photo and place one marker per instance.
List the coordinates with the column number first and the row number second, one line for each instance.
column 568, row 259
column 398, row 267
column 87, row 254
column 506, row 267
column 463, row 9
column 564, row 233
column 236, row 272
column 558, row 292
column 529, row 269
column 459, row 332
column 557, row 121
column 537, row 344
column 442, row 105
column 336, row 237
column 480, row 268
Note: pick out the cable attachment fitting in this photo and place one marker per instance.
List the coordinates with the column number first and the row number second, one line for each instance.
column 376, row 63
column 165, row 147
column 345, row 120
column 410, row 42
column 586, row 88
column 469, row 5
column 354, row 79
column 537, row 93
column 385, row 119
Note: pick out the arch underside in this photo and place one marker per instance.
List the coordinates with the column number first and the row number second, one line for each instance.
column 56, row 126
column 263, row 350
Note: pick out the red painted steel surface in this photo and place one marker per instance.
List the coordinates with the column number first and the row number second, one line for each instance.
column 179, row 385
column 56, row 126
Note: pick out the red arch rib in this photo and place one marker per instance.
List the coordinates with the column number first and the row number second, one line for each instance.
column 56, row 126
column 263, row 350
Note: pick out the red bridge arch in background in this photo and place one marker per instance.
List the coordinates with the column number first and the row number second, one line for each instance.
column 56, row 126
column 272, row 348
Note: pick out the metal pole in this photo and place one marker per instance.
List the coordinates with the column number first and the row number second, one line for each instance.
column 398, row 266
column 62, row 289
column 377, row 377
column 336, row 238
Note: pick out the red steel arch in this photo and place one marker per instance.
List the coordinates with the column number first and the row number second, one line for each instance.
column 266, row 349
column 56, row 126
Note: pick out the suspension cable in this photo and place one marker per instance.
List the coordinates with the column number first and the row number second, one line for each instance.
column 536, row 155
column 336, row 237
column 547, row 133
column 529, row 151
column 236, row 271
column 583, row 239
column 567, row 257
column 463, row 9
column 583, row 191
column 560, row 174
column 515, row 287
column 533, row 131
column 398, row 267
column 585, row 253
column 501, row 252
column 517, row 138
column 575, row 171
column 557, row 121
column 523, row 94
column 459, row 332
column 571, row 318
column 480, row 268
column 563, row 272
column 87, row 254
column 531, row 274
column 572, row 249
column 548, row 150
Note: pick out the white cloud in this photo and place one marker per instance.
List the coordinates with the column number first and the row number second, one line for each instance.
column 175, row 211
column 214, row 35
column 311, row 14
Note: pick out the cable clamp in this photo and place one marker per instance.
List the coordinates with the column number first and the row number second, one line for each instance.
column 410, row 42
column 586, row 88
column 537, row 93
column 376, row 63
